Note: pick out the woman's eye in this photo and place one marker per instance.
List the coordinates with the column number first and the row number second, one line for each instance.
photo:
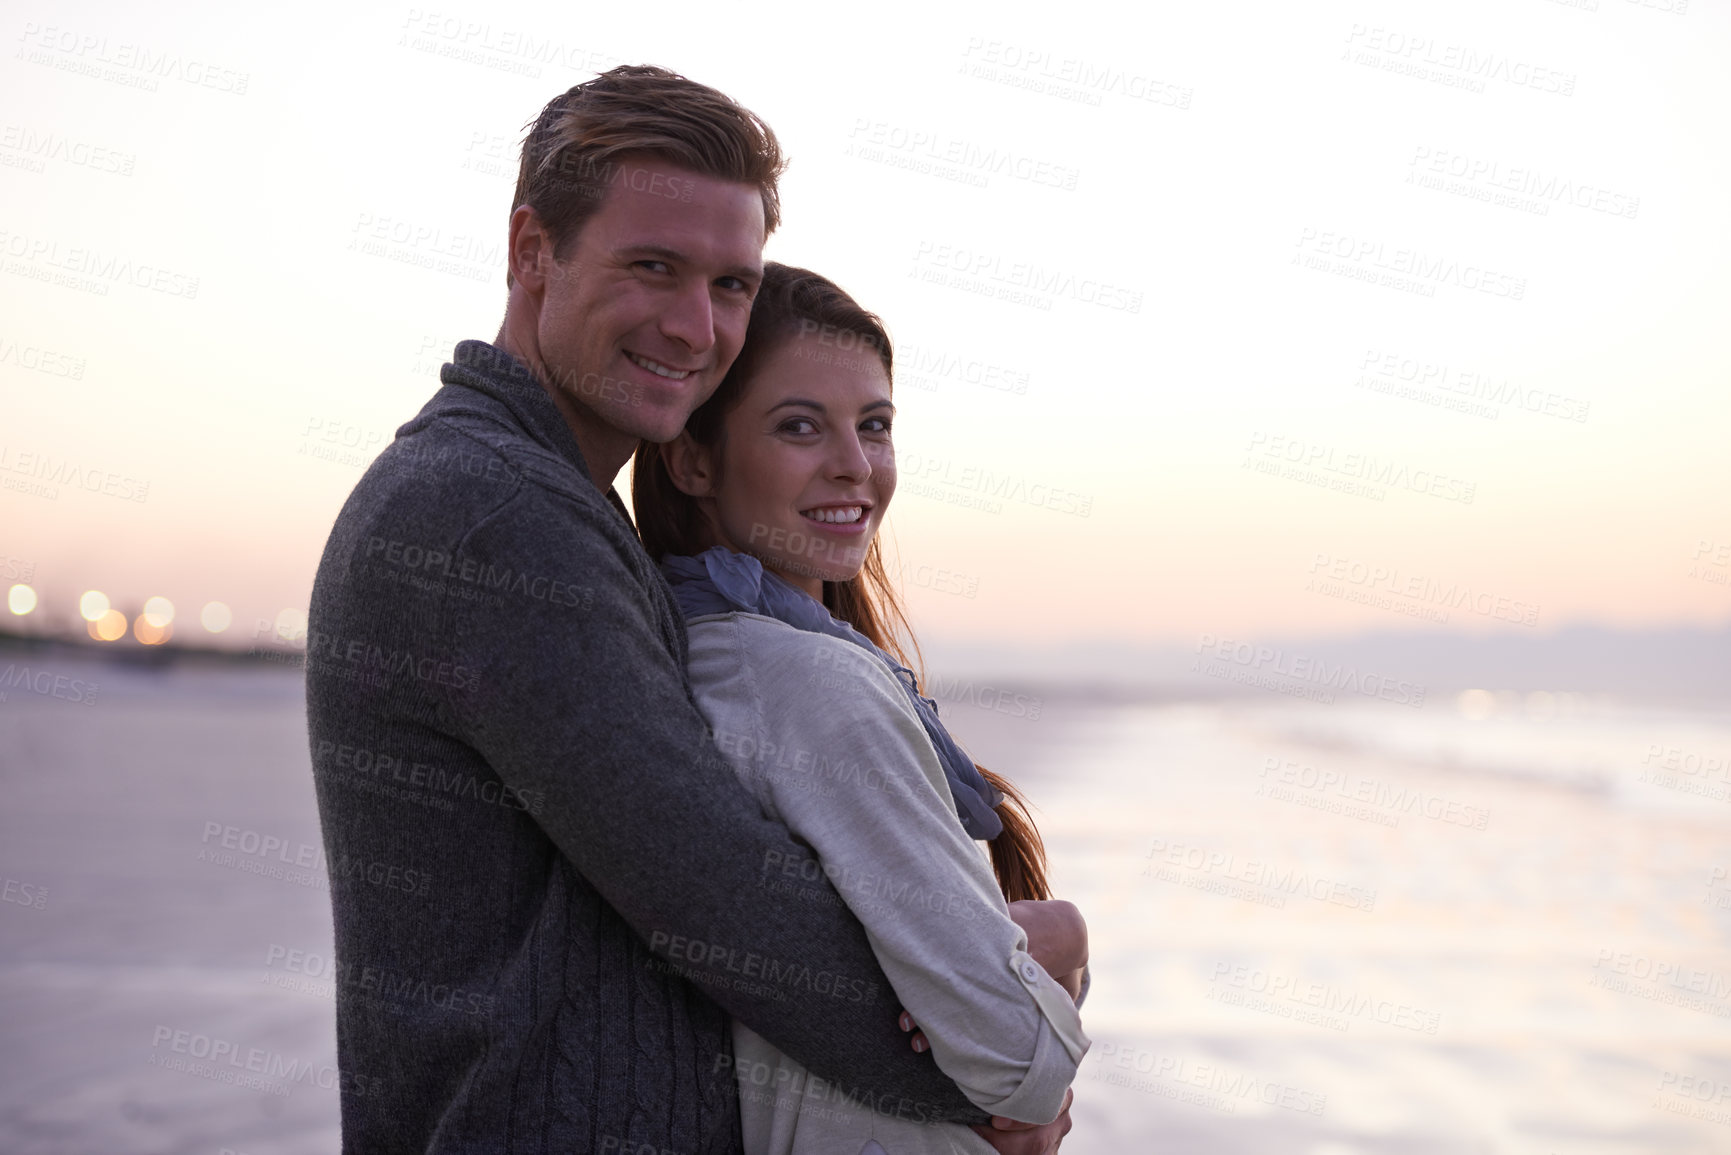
column 878, row 425
column 799, row 425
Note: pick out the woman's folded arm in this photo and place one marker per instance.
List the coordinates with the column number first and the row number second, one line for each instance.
column 842, row 757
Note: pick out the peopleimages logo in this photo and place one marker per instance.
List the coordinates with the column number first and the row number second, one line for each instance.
column 1326, row 998
column 1273, row 453
column 1281, row 778
column 1028, row 281
column 869, row 139
column 64, row 471
column 1170, row 862
column 1613, row 969
column 1388, row 587
column 133, row 65
column 749, row 964
column 270, row 855
column 943, row 473
column 1455, row 65
column 425, row 561
column 24, row 894
column 226, row 1061
column 357, row 762
column 40, row 360
column 48, row 684
column 1261, row 665
column 46, row 254
column 377, row 984
column 1368, row 258
column 1229, row 1087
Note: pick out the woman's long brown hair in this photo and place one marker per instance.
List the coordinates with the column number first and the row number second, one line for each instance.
column 791, row 302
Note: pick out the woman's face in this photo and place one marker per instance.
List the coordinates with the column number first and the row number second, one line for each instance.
column 806, row 471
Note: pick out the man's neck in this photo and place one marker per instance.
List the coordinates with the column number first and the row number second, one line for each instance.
column 605, row 450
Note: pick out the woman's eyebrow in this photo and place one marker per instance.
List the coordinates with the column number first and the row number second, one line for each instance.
column 803, row 403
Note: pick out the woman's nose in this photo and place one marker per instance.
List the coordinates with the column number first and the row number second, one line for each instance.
column 850, row 460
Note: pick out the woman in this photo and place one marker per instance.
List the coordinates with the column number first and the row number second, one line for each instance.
column 764, row 514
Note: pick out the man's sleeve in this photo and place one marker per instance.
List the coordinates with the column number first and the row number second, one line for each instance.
column 571, row 692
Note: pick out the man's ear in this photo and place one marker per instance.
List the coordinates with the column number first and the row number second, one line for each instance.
column 530, row 249
column 691, row 466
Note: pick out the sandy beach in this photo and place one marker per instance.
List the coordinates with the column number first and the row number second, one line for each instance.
column 1319, row 928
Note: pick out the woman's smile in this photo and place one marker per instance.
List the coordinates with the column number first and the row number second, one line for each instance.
column 848, row 520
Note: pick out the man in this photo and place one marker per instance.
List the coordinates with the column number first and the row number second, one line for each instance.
column 548, row 890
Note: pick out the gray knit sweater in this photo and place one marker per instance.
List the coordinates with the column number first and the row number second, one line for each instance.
column 549, row 890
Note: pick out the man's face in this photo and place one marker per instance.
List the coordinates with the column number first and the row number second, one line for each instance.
column 649, row 305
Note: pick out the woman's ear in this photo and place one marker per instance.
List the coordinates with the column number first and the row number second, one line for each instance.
column 690, row 465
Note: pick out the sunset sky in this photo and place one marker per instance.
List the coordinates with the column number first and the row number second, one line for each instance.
column 1207, row 322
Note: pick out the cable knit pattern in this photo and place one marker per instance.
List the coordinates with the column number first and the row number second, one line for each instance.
column 542, row 873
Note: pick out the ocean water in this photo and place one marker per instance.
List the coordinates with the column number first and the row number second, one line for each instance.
column 1492, row 925
column 1345, row 928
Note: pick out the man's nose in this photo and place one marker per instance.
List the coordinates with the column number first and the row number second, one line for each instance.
column 690, row 318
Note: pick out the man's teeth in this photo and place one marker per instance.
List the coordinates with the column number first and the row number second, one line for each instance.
column 843, row 516
column 659, row 369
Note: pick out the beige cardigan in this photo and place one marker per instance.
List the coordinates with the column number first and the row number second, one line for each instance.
column 824, row 735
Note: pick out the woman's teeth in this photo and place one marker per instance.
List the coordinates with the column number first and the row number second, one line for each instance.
column 659, row 369
column 844, row 516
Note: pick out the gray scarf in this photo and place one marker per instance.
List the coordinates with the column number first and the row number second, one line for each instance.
column 719, row 581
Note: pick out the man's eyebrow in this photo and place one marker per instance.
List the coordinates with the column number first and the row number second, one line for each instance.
column 650, row 250
column 753, row 273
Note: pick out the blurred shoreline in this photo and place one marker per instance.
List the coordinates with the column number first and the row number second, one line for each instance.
column 1689, row 667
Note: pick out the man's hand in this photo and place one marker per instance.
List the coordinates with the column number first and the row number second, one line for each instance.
column 1009, row 1137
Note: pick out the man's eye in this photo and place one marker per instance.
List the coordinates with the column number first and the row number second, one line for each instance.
column 653, row 266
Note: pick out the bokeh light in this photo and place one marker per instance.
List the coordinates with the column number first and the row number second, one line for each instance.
column 93, row 605
column 291, row 625
column 159, row 612
column 20, row 599
column 149, row 633
column 216, row 617
column 109, row 627
column 1476, row 705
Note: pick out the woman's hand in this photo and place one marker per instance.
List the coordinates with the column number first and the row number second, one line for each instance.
column 1057, row 938
column 1009, row 1137
column 1058, row 941
column 919, row 1041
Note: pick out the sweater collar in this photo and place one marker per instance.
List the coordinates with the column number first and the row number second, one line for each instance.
column 488, row 369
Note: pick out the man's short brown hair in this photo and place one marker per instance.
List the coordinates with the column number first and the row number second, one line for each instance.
column 572, row 152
